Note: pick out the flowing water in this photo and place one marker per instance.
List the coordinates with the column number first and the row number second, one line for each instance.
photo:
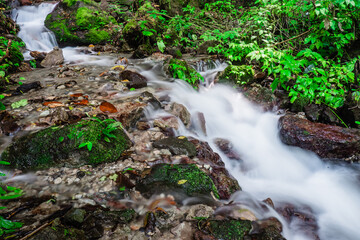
column 268, row 168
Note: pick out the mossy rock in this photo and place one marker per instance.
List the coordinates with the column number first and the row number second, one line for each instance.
column 81, row 23
column 182, row 70
column 174, row 7
column 59, row 146
column 229, row 229
column 233, row 74
column 176, row 146
column 178, row 179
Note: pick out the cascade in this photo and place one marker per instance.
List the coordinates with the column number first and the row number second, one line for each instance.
column 32, row 28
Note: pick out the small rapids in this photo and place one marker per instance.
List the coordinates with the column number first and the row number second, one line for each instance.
column 268, row 168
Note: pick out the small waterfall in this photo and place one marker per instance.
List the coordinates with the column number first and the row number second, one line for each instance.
column 268, row 167
column 32, row 29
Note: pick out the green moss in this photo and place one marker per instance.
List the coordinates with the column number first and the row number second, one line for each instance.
column 95, row 36
column 90, row 19
column 187, row 178
column 229, row 229
column 130, row 26
column 181, row 70
column 71, row 3
column 242, row 74
column 44, row 148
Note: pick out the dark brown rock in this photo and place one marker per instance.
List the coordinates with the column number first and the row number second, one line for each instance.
column 8, row 123
column 135, row 80
column 327, row 141
column 39, row 56
column 222, row 179
column 27, row 87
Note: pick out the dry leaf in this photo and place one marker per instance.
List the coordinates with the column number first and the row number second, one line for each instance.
column 107, row 107
column 53, row 104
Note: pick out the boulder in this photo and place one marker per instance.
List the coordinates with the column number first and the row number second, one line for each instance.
column 81, row 23
column 330, row 142
column 71, row 145
column 53, row 58
column 177, row 146
column 234, row 74
column 134, row 79
column 181, row 112
column 180, row 180
column 38, row 56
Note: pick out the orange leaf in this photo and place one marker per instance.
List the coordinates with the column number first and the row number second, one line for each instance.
column 82, row 102
column 107, row 107
column 76, row 95
column 53, row 104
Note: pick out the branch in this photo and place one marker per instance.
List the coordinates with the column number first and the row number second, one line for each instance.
column 304, row 33
column 7, row 51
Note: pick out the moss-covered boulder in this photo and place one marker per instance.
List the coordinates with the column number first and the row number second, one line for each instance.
column 227, row 229
column 86, row 142
column 233, row 74
column 182, row 70
column 81, row 23
column 181, row 180
column 140, row 30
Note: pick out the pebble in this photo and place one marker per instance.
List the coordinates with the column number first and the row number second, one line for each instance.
column 58, row 180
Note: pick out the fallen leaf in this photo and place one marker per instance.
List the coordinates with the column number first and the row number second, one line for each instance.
column 91, row 45
column 82, row 102
column 76, row 95
column 125, row 80
column 103, row 73
column 19, row 104
column 107, row 107
column 118, row 68
column 53, row 104
column 182, row 181
column 181, row 137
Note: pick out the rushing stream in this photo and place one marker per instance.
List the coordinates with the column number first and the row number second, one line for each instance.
column 268, row 168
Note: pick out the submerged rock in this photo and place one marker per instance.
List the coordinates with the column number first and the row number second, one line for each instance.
column 181, row 180
column 71, row 145
column 327, row 141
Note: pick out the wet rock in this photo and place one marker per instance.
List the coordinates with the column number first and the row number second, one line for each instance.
column 135, row 80
column 227, row 229
column 222, row 179
column 244, row 75
column 26, row 87
column 53, row 58
column 60, row 146
column 181, row 112
column 260, row 95
column 24, row 67
column 142, row 125
column 25, row 2
column 313, row 112
column 8, row 123
column 167, row 123
column 226, row 147
column 327, row 141
column 302, row 215
column 39, row 56
column 179, row 180
column 176, row 146
column 75, row 217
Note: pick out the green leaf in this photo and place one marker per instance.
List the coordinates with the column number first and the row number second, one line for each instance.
column 19, row 104
column 83, row 144
column 107, row 139
column 2, row 74
column 4, row 163
column 61, row 139
column 147, row 33
column 161, row 45
column 89, row 146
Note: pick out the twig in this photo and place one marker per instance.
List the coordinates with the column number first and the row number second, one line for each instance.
column 292, row 38
column 37, row 230
column 7, row 51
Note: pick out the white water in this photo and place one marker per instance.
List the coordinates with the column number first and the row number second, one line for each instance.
column 270, row 168
column 32, row 29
